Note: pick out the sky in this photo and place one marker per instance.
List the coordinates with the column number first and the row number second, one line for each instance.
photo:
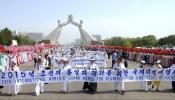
column 125, row 18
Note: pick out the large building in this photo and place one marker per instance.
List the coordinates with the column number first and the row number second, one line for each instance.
column 15, row 33
column 97, row 37
column 35, row 36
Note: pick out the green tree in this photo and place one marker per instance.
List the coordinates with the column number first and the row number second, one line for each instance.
column 169, row 40
column 118, row 41
column 136, row 42
column 149, row 41
column 5, row 36
column 24, row 40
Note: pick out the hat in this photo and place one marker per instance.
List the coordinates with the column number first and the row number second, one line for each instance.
column 158, row 61
column 65, row 59
column 142, row 61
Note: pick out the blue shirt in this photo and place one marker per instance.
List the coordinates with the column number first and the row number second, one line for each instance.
column 114, row 56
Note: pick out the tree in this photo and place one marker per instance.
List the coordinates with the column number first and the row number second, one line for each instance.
column 24, row 40
column 149, row 41
column 5, row 36
column 118, row 41
column 136, row 42
column 169, row 40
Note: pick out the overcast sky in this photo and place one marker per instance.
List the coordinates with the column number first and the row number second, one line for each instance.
column 126, row 18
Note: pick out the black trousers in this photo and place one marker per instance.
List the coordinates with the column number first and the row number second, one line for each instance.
column 173, row 85
column 85, row 85
column 35, row 61
column 1, row 87
column 91, row 86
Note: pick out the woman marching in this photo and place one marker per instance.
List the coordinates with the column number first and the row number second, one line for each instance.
column 14, row 88
column 119, row 66
column 173, row 67
column 3, row 66
column 144, row 84
column 66, row 77
column 158, row 68
column 91, row 86
column 39, row 88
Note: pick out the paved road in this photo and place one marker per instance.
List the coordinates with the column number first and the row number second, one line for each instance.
column 105, row 91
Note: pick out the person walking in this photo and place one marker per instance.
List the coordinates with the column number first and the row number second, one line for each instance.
column 114, row 57
column 91, row 86
column 173, row 67
column 144, row 84
column 65, row 75
column 39, row 88
column 119, row 66
column 158, row 68
column 14, row 89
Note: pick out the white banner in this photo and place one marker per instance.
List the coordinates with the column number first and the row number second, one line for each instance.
column 82, row 61
column 52, row 76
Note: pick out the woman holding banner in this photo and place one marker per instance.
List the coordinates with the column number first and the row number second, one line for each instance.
column 39, row 85
column 119, row 66
column 144, row 84
column 66, row 77
column 173, row 67
column 91, row 86
column 3, row 65
column 1, row 86
column 158, row 68
column 14, row 88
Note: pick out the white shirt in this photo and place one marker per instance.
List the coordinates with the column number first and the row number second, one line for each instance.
column 67, row 67
column 45, row 63
column 92, row 66
column 157, row 67
column 35, row 55
column 64, row 71
column 119, row 66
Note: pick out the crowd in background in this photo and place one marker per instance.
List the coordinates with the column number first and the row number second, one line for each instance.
column 43, row 60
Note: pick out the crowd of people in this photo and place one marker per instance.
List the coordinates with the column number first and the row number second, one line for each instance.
column 45, row 59
column 10, row 60
column 145, row 58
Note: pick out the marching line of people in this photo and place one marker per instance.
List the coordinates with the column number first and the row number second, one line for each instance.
column 44, row 62
column 9, row 64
